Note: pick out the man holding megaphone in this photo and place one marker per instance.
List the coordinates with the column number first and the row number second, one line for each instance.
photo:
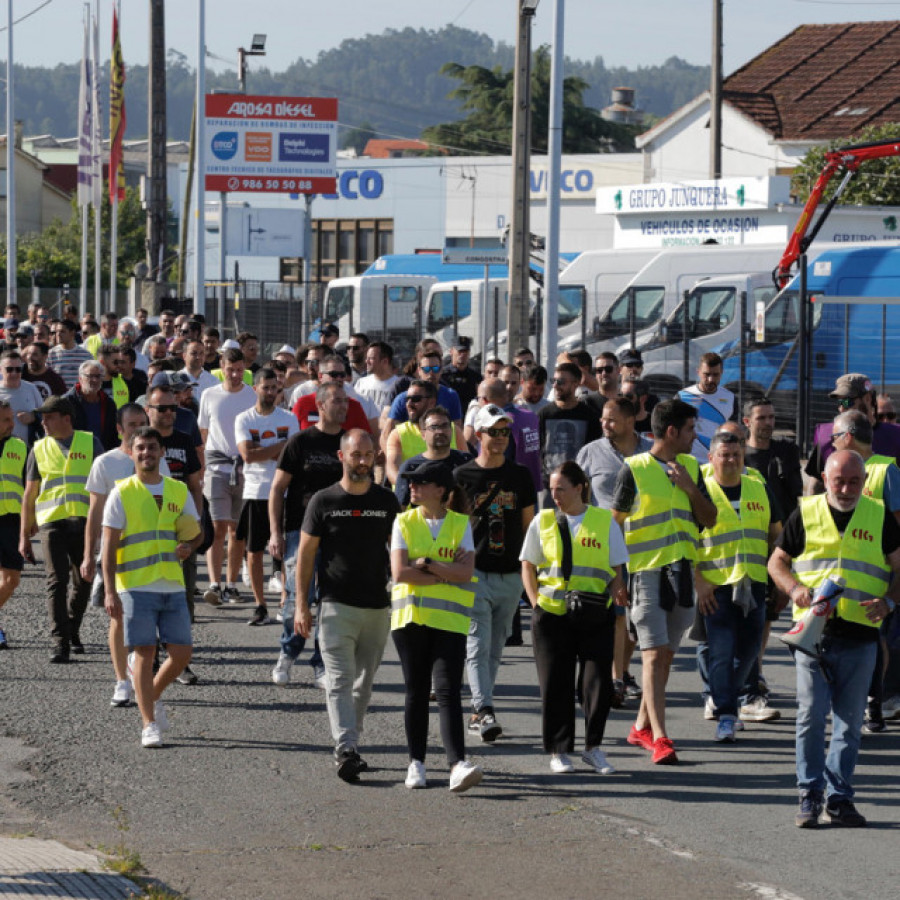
column 841, row 535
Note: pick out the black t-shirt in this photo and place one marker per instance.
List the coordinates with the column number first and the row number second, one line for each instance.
column 563, row 433
column 793, row 541
column 355, row 533
column 464, row 381
column 401, row 488
column 780, row 466
column 181, row 455
column 137, row 385
column 310, row 458
column 498, row 531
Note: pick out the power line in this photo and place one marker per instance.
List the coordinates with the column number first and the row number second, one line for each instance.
column 28, row 15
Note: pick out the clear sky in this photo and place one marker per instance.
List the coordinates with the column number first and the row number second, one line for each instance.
column 632, row 33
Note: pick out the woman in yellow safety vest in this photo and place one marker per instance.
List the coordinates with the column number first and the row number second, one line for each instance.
column 432, row 559
column 572, row 561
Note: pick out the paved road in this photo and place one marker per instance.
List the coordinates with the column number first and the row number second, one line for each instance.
column 244, row 801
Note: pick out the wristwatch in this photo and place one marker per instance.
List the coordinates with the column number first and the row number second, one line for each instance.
column 427, row 560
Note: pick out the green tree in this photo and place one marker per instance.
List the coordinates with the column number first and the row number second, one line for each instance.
column 876, row 183
column 487, row 96
column 357, row 137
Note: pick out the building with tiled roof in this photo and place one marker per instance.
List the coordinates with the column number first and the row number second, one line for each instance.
column 818, row 83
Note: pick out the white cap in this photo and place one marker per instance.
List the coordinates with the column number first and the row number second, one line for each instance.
column 286, row 348
column 490, row 415
column 230, row 344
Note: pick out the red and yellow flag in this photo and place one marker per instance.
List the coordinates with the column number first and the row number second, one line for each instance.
column 117, row 118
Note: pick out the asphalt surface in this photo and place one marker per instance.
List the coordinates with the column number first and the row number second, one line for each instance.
column 244, row 802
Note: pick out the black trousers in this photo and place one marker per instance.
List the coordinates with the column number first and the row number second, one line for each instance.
column 63, row 544
column 560, row 644
column 427, row 653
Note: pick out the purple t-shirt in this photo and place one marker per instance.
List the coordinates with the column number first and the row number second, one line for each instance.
column 885, row 441
column 526, row 441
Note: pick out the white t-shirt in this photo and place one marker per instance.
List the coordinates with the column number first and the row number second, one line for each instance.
column 398, row 542
column 114, row 517
column 112, row 467
column 713, row 410
column 201, row 383
column 310, row 387
column 219, row 410
column 25, row 398
column 251, row 425
column 378, row 391
column 533, row 552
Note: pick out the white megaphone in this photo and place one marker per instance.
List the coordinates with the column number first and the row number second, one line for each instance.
column 806, row 635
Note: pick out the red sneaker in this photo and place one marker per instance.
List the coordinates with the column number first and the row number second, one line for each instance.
column 641, row 738
column 664, row 752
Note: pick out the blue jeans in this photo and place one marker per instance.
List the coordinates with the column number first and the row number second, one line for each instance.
column 733, row 641
column 850, row 665
column 292, row 644
column 496, row 599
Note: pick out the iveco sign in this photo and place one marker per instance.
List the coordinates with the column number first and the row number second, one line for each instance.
column 353, row 184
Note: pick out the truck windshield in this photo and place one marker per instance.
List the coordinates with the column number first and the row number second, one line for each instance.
column 570, row 304
column 783, row 318
column 339, row 301
column 648, row 307
column 440, row 311
column 709, row 309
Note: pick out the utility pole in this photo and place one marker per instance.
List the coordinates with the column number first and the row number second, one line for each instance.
column 715, row 96
column 156, row 145
column 520, row 226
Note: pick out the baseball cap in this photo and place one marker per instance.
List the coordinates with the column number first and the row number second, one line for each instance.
column 174, row 380
column 11, row 324
column 851, row 386
column 286, row 348
column 432, row 471
column 328, row 330
column 463, row 342
column 630, row 358
column 230, row 344
column 490, row 415
column 25, row 330
column 54, row 404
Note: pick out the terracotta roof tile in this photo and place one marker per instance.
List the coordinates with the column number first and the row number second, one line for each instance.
column 822, row 82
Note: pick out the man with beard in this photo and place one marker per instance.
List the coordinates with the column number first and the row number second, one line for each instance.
column 356, row 355
column 713, row 405
column 350, row 523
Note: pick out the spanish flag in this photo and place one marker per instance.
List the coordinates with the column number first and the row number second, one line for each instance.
column 117, row 118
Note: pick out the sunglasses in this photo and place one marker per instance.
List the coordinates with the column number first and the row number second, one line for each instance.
column 887, row 417
column 604, row 370
column 561, row 381
column 336, row 374
column 444, row 427
column 497, row 432
column 165, row 407
column 12, row 368
column 846, row 403
column 415, row 398
column 430, row 368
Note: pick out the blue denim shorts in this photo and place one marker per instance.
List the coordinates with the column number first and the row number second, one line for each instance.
column 146, row 612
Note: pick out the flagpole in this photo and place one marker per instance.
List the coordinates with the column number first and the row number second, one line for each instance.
column 117, row 71
column 11, row 273
column 97, row 167
column 200, row 149
column 85, row 162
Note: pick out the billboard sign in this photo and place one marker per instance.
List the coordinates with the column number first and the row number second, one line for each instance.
column 281, row 145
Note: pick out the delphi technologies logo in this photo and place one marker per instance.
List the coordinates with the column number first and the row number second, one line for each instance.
column 225, row 145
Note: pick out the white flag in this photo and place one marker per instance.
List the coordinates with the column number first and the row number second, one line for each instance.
column 85, row 127
column 97, row 132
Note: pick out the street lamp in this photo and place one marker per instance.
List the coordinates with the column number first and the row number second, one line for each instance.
column 520, row 229
column 257, row 48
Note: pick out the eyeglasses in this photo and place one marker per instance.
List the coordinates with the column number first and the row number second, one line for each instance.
column 430, row 368
column 846, row 402
column 338, row 373
column 497, row 432
column 185, row 331
column 838, row 434
column 415, row 398
column 604, row 370
column 165, row 407
column 887, row 417
column 445, row 426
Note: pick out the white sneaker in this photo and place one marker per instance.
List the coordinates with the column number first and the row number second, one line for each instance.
column 560, row 764
column 597, row 760
column 281, row 674
column 213, row 595
column 159, row 714
column 890, row 708
column 150, row 736
column 415, row 775
column 276, row 585
column 245, row 574
column 464, row 775
column 758, row 710
column 709, row 709
column 123, row 695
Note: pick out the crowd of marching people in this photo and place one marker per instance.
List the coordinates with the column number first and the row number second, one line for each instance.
column 349, row 499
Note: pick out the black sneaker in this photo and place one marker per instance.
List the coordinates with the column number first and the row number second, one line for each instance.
column 187, row 676
column 475, row 723
column 3, row 642
column 809, row 812
column 260, row 616
column 349, row 765
column 232, row 595
column 843, row 813
column 632, row 688
column 874, row 723
column 618, row 694
column 60, row 654
column 77, row 646
column 489, row 727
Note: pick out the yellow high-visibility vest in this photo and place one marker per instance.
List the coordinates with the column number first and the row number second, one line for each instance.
column 662, row 530
column 736, row 545
column 876, row 474
column 63, row 493
column 12, row 487
column 591, row 569
column 447, row 607
column 412, row 443
column 146, row 549
column 857, row 556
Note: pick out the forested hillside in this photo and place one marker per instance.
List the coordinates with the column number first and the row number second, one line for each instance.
column 389, row 83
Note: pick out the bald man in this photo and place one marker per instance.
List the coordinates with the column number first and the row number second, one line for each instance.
column 839, row 533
